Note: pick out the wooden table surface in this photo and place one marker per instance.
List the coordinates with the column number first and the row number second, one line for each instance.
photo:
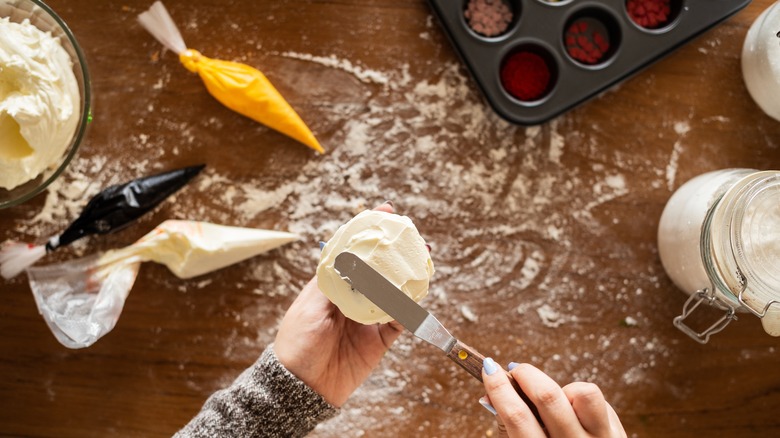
column 544, row 238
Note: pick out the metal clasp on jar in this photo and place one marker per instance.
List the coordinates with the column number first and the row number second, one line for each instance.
column 705, row 295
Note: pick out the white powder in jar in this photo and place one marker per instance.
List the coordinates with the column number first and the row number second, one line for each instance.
column 679, row 231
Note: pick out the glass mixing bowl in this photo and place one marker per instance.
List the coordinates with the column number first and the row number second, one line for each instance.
column 42, row 17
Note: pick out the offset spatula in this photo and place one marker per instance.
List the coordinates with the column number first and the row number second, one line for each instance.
column 411, row 315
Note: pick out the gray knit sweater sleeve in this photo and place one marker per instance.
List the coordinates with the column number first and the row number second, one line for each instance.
column 266, row 400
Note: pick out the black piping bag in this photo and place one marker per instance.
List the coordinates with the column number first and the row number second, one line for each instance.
column 114, row 208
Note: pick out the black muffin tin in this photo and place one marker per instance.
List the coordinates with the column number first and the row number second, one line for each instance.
column 541, row 25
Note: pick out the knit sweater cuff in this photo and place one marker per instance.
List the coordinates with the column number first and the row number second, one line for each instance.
column 265, row 400
column 304, row 407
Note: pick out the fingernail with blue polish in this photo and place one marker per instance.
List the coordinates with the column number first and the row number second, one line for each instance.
column 512, row 365
column 322, row 245
column 490, row 366
column 486, row 404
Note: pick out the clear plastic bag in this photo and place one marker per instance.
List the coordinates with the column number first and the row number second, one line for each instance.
column 81, row 300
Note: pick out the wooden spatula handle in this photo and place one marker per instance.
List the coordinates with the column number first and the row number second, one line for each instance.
column 471, row 360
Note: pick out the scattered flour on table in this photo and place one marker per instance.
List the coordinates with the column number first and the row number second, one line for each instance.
column 557, row 142
column 718, row 119
column 681, row 128
column 363, row 74
column 401, row 144
column 502, row 191
column 468, row 313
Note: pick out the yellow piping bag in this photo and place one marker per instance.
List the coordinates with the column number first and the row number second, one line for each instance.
column 242, row 88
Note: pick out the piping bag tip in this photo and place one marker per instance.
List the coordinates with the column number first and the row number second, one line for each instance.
column 192, row 171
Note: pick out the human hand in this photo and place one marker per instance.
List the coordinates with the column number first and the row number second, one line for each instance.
column 576, row 410
column 326, row 350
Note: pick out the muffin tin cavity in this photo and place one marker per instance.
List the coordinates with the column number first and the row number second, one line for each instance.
column 591, row 36
column 653, row 14
column 490, row 18
column 528, row 72
column 535, row 59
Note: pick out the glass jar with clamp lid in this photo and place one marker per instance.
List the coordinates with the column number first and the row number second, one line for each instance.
column 719, row 241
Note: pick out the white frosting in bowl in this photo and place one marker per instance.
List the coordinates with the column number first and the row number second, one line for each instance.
column 39, row 102
column 388, row 243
